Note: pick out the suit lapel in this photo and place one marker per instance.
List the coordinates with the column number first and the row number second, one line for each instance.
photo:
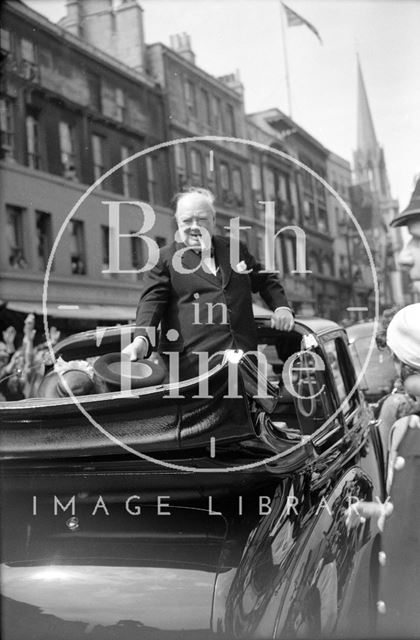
column 222, row 255
column 190, row 260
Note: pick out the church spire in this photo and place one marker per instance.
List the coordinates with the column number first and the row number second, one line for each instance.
column 366, row 136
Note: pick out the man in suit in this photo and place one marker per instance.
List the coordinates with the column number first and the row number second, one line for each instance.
column 202, row 301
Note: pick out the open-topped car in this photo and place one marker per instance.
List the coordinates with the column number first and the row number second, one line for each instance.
column 290, row 403
column 153, row 512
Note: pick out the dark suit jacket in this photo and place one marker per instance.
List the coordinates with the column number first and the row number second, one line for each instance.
column 192, row 304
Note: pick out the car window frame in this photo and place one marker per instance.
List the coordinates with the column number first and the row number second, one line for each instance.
column 328, row 398
column 348, row 373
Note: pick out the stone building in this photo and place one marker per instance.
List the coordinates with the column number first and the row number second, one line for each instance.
column 200, row 105
column 351, row 263
column 80, row 97
column 69, row 112
column 308, row 197
column 274, row 180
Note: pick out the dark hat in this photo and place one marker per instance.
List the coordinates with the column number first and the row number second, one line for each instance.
column 55, row 384
column 412, row 211
column 143, row 373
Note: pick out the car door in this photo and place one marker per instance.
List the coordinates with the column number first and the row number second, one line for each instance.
column 352, row 412
column 321, row 578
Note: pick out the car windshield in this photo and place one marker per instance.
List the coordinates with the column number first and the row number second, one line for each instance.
column 380, row 373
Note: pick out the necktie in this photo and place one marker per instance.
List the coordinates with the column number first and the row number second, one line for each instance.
column 199, row 251
column 216, row 273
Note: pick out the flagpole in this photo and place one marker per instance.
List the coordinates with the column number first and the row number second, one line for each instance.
column 286, row 59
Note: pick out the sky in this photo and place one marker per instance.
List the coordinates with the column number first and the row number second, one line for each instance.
column 247, row 35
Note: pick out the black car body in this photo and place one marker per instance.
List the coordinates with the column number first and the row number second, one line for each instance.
column 243, row 536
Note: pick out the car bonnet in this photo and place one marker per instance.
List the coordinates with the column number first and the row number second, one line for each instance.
column 113, row 575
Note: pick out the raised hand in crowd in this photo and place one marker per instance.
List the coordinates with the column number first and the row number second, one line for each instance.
column 9, row 336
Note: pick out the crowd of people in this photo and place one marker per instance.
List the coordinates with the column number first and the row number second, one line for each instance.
column 399, row 410
column 22, row 361
column 397, row 334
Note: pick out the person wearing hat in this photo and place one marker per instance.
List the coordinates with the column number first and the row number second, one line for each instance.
column 208, row 306
column 399, row 578
column 403, row 339
column 404, row 399
column 398, row 517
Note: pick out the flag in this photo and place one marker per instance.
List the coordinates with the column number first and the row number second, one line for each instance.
column 295, row 20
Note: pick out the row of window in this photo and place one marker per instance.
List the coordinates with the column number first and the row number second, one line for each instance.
column 24, row 58
column 112, row 101
column 312, row 187
column 100, row 165
column 17, row 243
column 348, row 269
column 70, row 164
column 199, row 169
column 196, row 170
column 314, row 196
column 17, row 235
column 285, row 256
column 316, row 216
column 193, row 166
column 272, row 184
column 321, row 265
column 208, row 109
column 25, row 52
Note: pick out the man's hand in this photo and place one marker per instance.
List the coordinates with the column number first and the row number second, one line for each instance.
column 137, row 349
column 282, row 319
column 358, row 512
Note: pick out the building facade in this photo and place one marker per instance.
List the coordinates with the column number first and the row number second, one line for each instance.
column 351, row 263
column 309, row 210
column 199, row 105
column 81, row 98
column 70, row 112
column 274, row 180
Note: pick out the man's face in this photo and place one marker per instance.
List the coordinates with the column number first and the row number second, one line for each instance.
column 414, row 227
column 194, row 211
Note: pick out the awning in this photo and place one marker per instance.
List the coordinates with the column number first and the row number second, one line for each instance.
column 97, row 311
column 80, row 311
